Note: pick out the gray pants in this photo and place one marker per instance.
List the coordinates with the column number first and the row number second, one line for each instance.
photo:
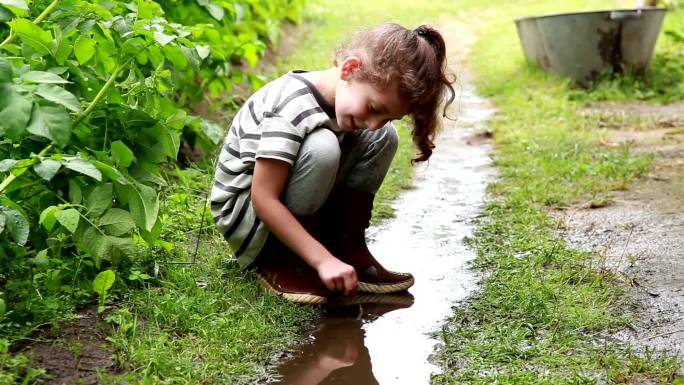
column 360, row 162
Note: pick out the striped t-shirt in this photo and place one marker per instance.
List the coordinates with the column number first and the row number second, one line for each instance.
column 271, row 124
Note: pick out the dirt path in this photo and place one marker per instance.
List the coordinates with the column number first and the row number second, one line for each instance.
column 640, row 233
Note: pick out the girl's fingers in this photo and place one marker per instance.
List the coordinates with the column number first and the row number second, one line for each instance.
column 344, row 281
column 339, row 284
column 350, row 284
column 329, row 284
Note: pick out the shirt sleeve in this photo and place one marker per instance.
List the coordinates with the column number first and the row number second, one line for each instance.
column 279, row 139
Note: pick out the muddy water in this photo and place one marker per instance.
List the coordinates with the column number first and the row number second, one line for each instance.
column 385, row 339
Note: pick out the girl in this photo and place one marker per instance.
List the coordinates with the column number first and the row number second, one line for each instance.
column 305, row 155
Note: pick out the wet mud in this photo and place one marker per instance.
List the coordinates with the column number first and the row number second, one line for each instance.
column 75, row 352
column 640, row 233
column 386, row 339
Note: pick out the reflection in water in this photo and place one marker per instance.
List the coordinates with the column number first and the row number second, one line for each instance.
column 337, row 354
column 425, row 238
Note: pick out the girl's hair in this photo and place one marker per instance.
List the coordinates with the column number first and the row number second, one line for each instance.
column 415, row 63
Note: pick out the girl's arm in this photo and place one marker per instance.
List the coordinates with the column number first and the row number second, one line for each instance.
column 268, row 183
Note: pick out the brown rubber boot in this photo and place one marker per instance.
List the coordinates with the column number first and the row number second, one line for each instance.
column 286, row 274
column 347, row 214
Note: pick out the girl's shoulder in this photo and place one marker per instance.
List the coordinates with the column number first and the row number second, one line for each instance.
column 287, row 81
column 294, row 91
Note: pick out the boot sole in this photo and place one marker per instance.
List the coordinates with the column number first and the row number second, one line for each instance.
column 399, row 300
column 375, row 288
column 303, row 298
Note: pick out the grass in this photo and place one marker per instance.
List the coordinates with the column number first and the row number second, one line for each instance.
column 207, row 322
column 544, row 309
column 545, row 312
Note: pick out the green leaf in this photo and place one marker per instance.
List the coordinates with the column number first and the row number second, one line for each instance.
column 16, row 224
column 162, row 38
column 3, row 307
column 75, row 192
column 203, row 51
column 43, row 77
column 59, row 95
column 41, row 260
column 105, row 30
column 21, row 166
column 84, row 49
column 63, row 47
column 160, row 141
column 21, row 4
column 106, row 59
column 104, row 246
column 251, row 53
column 103, row 281
column 123, row 193
column 133, row 46
column 149, row 9
column 6, row 14
column 110, row 172
column 87, row 239
column 213, row 131
column 120, row 248
column 47, row 217
column 15, row 112
column 176, row 56
column 33, row 35
column 63, row 52
column 191, row 54
column 3, row 220
column 7, row 164
column 144, row 206
column 117, row 222
column 5, row 70
column 215, row 10
column 155, row 55
column 177, row 120
column 123, row 156
column 151, row 236
column 142, row 174
column 83, row 166
column 51, row 122
column 69, row 219
column 99, row 199
column 47, row 168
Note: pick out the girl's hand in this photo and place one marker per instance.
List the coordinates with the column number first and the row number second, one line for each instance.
column 337, row 275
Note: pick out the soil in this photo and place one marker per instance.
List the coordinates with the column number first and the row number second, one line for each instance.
column 72, row 353
column 640, row 233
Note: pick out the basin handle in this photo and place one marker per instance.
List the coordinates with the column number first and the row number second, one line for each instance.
column 622, row 15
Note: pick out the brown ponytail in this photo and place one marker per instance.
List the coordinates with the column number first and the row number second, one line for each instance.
column 414, row 61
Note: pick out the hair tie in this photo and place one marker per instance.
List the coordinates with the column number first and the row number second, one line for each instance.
column 421, row 31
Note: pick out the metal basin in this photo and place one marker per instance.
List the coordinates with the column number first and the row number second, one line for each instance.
column 582, row 45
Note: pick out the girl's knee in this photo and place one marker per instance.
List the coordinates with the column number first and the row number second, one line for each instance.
column 321, row 150
column 391, row 139
column 383, row 142
column 313, row 174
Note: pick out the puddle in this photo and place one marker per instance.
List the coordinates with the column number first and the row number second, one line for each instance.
column 385, row 339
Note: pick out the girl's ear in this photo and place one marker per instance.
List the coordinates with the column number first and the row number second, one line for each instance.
column 349, row 65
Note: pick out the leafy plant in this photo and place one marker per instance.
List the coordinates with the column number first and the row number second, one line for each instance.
column 101, row 284
column 94, row 98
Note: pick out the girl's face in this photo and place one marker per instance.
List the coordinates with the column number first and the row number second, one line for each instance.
column 359, row 105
